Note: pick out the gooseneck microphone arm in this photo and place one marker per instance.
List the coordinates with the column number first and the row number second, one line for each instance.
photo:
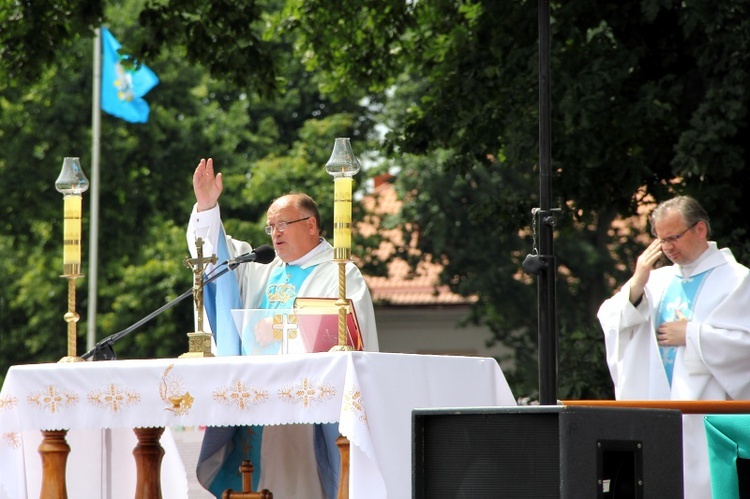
column 103, row 349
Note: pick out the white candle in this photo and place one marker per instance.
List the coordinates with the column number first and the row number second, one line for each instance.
column 72, row 230
column 342, row 213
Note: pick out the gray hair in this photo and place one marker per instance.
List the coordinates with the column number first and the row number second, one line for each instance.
column 692, row 212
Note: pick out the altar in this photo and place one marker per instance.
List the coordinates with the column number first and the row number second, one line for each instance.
column 370, row 395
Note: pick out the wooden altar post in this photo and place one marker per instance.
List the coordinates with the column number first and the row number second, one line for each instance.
column 54, row 451
column 148, row 455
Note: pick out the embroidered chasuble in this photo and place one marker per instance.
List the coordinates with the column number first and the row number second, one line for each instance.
column 677, row 303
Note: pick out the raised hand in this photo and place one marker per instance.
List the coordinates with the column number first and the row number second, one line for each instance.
column 643, row 267
column 207, row 185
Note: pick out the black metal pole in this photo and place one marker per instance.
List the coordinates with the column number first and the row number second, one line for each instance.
column 546, row 278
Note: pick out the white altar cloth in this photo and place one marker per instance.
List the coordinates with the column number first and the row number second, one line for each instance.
column 371, row 395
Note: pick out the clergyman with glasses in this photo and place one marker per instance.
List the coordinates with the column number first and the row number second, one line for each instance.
column 682, row 331
column 304, row 267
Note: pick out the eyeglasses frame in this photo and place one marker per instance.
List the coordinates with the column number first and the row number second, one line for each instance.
column 673, row 239
column 281, row 226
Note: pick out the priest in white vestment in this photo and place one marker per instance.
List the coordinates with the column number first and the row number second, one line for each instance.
column 682, row 332
column 294, row 460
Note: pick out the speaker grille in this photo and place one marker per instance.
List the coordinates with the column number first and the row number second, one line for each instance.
column 479, row 455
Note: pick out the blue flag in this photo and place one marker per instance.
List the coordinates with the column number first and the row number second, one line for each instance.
column 123, row 89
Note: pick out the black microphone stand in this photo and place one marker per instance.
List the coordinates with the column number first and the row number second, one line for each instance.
column 103, row 349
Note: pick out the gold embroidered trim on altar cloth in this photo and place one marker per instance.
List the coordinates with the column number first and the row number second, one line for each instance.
column 240, row 395
column 7, row 402
column 114, row 398
column 353, row 402
column 13, row 440
column 307, row 392
column 170, row 391
column 52, row 399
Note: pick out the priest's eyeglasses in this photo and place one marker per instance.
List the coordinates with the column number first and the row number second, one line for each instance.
column 281, row 226
column 676, row 237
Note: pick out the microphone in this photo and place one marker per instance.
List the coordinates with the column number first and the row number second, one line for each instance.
column 262, row 254
column 103, row 349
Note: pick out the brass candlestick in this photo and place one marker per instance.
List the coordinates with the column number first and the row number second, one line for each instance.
column 72, row 183
column 342, row 165
column 199, row 342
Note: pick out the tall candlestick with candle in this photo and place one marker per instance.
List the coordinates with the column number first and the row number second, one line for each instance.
column 342, row 165
column 72, row 183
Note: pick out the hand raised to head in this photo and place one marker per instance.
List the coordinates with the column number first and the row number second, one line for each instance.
column 207, row 185
column 643, row 267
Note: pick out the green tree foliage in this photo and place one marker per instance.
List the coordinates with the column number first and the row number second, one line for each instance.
column 264, row 147
column 649, row 99
column 32, row 35
column 221, row 35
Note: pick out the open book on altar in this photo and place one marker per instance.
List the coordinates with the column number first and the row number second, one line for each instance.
column 312, row 326
column 319, row 317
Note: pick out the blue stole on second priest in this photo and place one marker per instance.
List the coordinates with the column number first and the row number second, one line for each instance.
column 679, row 298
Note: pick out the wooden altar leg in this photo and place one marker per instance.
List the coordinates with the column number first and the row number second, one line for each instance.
column 343, row 444
column 54, row 450
column 148, row 455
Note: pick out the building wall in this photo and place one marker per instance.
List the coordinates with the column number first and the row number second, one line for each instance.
column 433, row 330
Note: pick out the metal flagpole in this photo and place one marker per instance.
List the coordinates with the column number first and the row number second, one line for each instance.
column 96, row 115
column 96, row 118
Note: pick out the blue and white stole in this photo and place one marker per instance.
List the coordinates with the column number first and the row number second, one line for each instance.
column 283, row 286
column 680, row 297
column 225, row 447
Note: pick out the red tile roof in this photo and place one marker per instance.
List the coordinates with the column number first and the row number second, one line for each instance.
column 401, row 287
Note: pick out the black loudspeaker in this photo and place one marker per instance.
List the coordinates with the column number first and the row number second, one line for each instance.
column 743, row 477
column 568, row 452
